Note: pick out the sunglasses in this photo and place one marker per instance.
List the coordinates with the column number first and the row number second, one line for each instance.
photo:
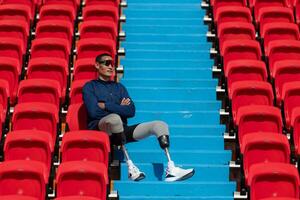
column 106, row 62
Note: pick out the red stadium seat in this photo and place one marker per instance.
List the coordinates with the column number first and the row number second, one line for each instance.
column 98, row 29
column 279, row 198
column 55, row 29
column 86, row 145
column 17, row 197
column 291, row 99
column 15, row 29
column 273, row 14
column 234, row 31
column 23, row 176
column 85, row 69
column 256, row 5
column 282, row 50
column 16, row 12
column 240, row 49
column 273, row 179
column 29, row 145
column 216, row 4
column 241, row 70
column 99, row 12
column 30, row 3
column 54, row 12
column 263, row 147
column 258, row 118
column 90, row 48
column 103, row 2
column 283, row 72
column 4, row 99
column 76, row 118
column 73, row 3
column 295, row 124
column 10, row 72
column 37, row 116
column 31, row 90
column 279, row 31
column 12, row 48
column 50, row 68
column 232, row 14
column 245, row 93
column 86, row 178
column 50, row 47
column 76, row 91
column 78, row 198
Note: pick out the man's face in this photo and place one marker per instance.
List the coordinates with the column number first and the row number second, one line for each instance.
column 105, row 67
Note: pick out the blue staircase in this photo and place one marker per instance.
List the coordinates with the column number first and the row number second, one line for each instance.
column 168, row 75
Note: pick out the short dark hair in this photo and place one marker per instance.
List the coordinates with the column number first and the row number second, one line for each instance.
column 100, row 56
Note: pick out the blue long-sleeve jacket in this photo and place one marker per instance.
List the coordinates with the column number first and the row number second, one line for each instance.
column 110, row 93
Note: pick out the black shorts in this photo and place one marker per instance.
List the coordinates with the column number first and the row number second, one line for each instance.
column 128, row 131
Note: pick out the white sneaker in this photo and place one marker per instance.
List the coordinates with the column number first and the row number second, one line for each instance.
column 134, row 173
column 176, row 173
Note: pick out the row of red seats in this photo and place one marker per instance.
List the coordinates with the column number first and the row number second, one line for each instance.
column 258, row 123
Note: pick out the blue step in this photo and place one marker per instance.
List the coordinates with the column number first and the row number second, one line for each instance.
column 165, row 46
column 180, row 83
column 155, row 21
column 178, row 63
column 183, row 2
column 141, row 37
column 156, row 172
column 174, row 197
column 152, row 13
column 176, row 129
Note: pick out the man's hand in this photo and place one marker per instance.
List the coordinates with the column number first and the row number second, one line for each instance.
column 101, row 105
column 125, row 102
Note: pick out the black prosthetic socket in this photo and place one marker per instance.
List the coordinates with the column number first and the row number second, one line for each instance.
column 118, row 139
column 164, row 141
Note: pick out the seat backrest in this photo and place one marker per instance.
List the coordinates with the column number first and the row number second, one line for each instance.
column 232, row 14
column 81, row 198
column 256, row 5
column 54, row 12
column 85, row 145
column 85, row 69
column 76, row 91
column 241, row 70
column 240, row 49
column 29, row 145
column 216, row 4
column 85, row 178
column 115, row 3
column 16, row 12
column 73, row 3
column 258, row 118
column 31, row 90
column 273, row 179
column 23, row 176
column 12, row 48
column 262, row 147
column 17, row 197
column 283, row 72
column 101, row 12
column 245, row 93
column 77, row 117
column 30, row 3
column 282, row 50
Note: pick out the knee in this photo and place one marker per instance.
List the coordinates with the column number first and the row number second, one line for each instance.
column 115, row 120
column 161, row 127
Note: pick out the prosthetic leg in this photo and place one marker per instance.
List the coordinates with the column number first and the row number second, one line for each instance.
column 133, row 172
column 173, row 173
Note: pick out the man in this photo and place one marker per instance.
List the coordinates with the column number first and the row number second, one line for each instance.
column 109, row 105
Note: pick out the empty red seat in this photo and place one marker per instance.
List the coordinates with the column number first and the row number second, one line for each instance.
column 30, row 3
column 98, row 29
column 99, row 12
column 279, row 31
column 85, row 69
column 54, row 12
column 245, row 93
column 282, row 50
column 103, row 2
column 85, row 178
column 73, row 3
column 273, row 14
column 258, row 118
column 291, row 99
column 283, row 72
column 78, row 198
column 279, row 198
column 17, row 197
column 232, row 14
column 50, row 47
column 40, row 90
column 76, row 118
column 262, row 147
column 256, row 5
column 50, row 68
column 55, row 29
column 273, row 179
column 216, row 4
column 234, row 31
column 29, row 145
column 4, row 98
column 241, row 70
column 10, row 72
column 24, row 177
column 76, row 91
column 295, row 124
column 37, row 116
column 16, row 12
column 12, row 48
column 85, row 145
column 15, row 29
column 90, row 48
column 240, row 49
